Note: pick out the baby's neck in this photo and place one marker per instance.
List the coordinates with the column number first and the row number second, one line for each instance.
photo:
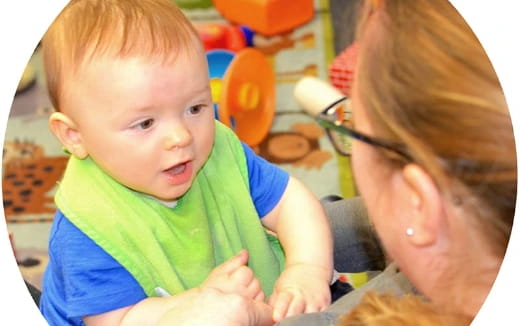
column 170, row 203
column 167, row 203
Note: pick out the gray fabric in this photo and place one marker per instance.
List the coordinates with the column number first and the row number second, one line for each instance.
column 356, row 249
column 356, row 246
column 390, row 280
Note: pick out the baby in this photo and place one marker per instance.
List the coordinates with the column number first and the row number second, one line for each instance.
column 157, row 193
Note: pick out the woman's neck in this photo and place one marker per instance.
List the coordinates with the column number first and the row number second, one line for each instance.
column 469, row 285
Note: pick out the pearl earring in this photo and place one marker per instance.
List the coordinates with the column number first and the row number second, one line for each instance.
column 409, row 231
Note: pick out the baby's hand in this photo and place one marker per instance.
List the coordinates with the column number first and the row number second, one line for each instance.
column 301, row 288
column 233, row 276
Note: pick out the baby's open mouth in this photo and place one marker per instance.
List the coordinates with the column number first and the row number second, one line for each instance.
column 177, row 169
column 179, row 173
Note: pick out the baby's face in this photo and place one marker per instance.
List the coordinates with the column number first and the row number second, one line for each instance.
column 149, row 125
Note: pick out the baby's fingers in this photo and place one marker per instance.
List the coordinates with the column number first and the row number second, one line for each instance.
column 254, row 290
column 227, row 268
column 234, row 263
column 310, row 308
column 318, row 303
column 260, row 296
column 243, row 275
column 285, row 304
column 296, row 307
column 280, row 303
column 251, row 285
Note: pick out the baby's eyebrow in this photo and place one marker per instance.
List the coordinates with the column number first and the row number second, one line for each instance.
column 202, row 94
column 141, row 108
column 205, row 89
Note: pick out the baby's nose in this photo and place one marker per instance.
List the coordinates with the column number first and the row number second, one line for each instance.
column 180, row 136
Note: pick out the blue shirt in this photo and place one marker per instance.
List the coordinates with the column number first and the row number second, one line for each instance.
column 82, row 279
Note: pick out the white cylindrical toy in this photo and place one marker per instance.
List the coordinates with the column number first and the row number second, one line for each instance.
column 314, row 94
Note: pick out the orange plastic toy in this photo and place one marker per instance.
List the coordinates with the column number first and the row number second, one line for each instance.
column 267, row 17
column 247, row 98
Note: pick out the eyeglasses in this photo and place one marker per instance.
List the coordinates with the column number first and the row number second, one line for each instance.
column 336, row 117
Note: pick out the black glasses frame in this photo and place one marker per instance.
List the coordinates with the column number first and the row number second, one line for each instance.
column 330, row 124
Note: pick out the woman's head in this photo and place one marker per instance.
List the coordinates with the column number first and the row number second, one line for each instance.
column 424, row 81
column 89, row 29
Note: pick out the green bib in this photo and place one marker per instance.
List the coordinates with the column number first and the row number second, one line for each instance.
column 174, row 248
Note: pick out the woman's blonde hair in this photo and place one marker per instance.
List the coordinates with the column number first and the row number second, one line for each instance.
column 87, row 29
column 426, row 82
column 390, row 310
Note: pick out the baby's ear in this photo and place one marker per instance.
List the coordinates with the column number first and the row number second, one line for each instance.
column 68, row 134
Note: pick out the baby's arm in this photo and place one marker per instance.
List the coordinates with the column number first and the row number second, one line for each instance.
column 231, row 277
column 304, row 232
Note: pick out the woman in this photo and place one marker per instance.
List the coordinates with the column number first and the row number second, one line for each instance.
column 433, row 152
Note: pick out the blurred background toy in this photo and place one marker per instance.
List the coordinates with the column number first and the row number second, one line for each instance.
column 224, row 36
column 314, row 94
column 299, row 146
column 341, row 70
column 218, row 62
column 267, row 17
column 243, row 90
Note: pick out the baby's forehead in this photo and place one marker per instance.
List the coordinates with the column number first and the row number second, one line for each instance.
column 159, row 49
column 139, row 54
column 132, row 74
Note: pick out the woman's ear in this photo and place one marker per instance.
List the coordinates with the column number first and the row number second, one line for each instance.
column 426, row 205
column 68, row 134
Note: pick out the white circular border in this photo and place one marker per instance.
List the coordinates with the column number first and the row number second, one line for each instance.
column 23, row 22
column 496, row 24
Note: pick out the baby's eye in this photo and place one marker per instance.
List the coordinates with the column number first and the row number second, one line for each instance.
column 144, row 124
column 196, row 109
